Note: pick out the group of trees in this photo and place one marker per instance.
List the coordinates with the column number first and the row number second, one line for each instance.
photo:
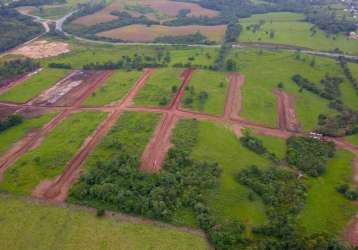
column 196, row 38
column 11, row 121
column 15, row 68
column 309, row 155
column 331, row 86
column 328, row 21
column 255, row 144
column 137, row 62
column 60, row 65
column 284, row 196
column 348, row 73
column 343, row 124
column 202, row 97
column 11, row 22
column 15, row 4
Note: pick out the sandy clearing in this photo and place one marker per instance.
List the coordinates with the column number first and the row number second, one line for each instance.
column 42, row 49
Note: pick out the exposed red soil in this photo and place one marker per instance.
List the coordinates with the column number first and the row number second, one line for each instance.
column 155, row 152
column 287, row 118
column 72, row 88
column 57, row 190
column 234, row 98
column 5, row 111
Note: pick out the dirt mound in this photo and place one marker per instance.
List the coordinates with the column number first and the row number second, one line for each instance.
column 43, row 49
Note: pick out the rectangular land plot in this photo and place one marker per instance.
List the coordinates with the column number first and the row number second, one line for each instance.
column 49, row 159
column 326, row 210
column 206, row 92
column 114, row 88
column 13, row 134
column 34, row 225
column 160, row 88
column 33, row 86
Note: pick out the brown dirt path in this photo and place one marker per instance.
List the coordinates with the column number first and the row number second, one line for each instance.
column 57, row 189
column 154, row 154
column 233, row 103
column 287, row 118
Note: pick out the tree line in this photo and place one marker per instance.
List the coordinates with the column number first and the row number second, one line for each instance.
column 16, row 68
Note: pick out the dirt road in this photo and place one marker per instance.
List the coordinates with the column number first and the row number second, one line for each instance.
column 233, row 103
column 57, row 189
column 287, row 118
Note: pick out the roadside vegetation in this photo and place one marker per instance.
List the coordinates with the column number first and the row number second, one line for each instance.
column 160, row 88
column 206, row 92
column 114, row 89
column 47, row 161
column 33, row 86
column 12, row 69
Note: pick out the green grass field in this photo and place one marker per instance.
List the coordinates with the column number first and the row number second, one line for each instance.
column 265, row 69
column 157, row 91
column 193, row 56
column 326, row 210
column 114, row 89
column 353, row 139
column 215, row 84
column 12, row 135
column 28, row 224
column 230, row 200
column 129, row 135
column 34, row 86
column 49, row 159
column 290, row 29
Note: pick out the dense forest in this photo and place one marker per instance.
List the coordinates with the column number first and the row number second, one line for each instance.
column 15, row 4
column 15, row 68
column 11, row 22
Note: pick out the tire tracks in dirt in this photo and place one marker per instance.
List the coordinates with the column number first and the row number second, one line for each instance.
column 233, row 103
column 154, row 154
column 57, row 189
column 32, row 140
column 287, row 119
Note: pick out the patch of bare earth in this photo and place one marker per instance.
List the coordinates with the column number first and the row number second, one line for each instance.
column 42, row 49
column 287, row 118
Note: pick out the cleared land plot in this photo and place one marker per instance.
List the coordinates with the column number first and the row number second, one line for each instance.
column 34, row 86
column 206, row 92
column 326, row 210
column 160, row 88
column 114, row 89
column 49, row 159
column 43, row 49
column 264, row 70
column 230, row 200
column 34, row 225
column 13, row 134
column 142, row 33
column 288, row 28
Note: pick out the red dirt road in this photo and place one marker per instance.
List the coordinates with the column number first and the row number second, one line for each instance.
column 234, row 98
column 57, row 190
column 156, row 150
column 287, row 119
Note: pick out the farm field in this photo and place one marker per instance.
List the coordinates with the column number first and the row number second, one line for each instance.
column 276, row 67
column 12, row 135
column 327, row 210
column 161, row 88
column 142, row 33
column 353, row 139
column 33, row 86
column 193, row 56
column 206, row 92
column 114, row 89
column 33, row 224
column 47, row 161
column 289, row 29
column 154, row 10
